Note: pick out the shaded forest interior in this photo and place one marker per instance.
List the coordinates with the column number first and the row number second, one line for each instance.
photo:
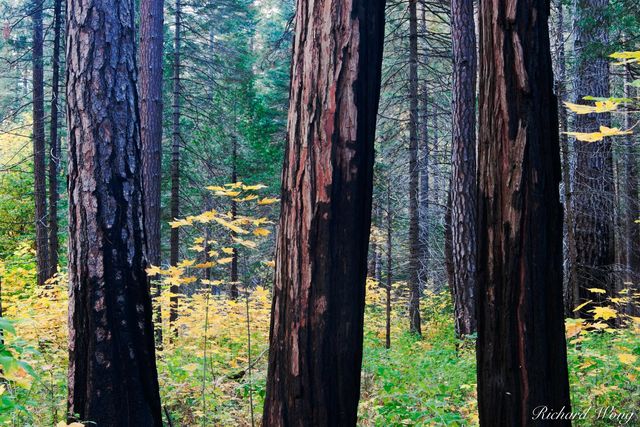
column 322, row 213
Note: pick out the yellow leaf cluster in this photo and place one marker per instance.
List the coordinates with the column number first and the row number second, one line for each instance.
column 598, row 136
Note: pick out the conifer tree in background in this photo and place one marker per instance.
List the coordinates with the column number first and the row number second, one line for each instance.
column 39, row 151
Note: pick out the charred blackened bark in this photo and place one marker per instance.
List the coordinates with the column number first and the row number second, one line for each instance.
column 321, row 263
column 462, row 191
column 39, row 168
column 521, row 349
column 112, row 368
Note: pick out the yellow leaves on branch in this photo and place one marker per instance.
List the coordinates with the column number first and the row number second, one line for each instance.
column 261, row 232
column 268, row 201
column 626, row 57
column 600, row 107
column 598, row 136
column 604, row 313
column 597, row 291
column 246, row 243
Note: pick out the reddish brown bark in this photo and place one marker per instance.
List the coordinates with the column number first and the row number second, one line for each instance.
column 174, row 239
column 462, row 191
column 321, row 263
column 112, row 370
column 150, row 88
column 521, row 349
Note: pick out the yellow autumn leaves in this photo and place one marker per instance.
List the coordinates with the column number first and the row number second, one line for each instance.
column 237, row 225
column 605, row 105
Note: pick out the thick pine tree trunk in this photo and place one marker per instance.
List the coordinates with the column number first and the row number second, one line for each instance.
column 112, row 368
column 521, row 349
column 39, row 168
column 414, row 225
column 321, row 263
column 174, row 238
column 593, row 175
column 463, row 164
column 54, row 142
column 150, row 88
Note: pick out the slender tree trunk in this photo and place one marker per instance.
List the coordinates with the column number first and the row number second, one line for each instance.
column 463, row 164
column 39, row 168
column 54, row 142
column 423, row 273
column 112, row 369
column 593, row 175
column 150, row 87
column 387, row 341
column 571, row 287
column 632, row 212
column 321, row 263
column 174, row 239
column 521, row 349
column 414, row 226
column 233, row 290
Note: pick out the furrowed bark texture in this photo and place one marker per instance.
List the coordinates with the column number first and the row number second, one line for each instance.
column 414, row 224
column 594, row 199
column 521, row 350
column 174, row 239
column 54, row 141
column 463, row 163
column 39, row 168
column 321, row 263
column 112, row 370
column 150, row 87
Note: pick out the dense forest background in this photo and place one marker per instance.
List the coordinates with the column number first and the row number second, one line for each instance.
column 225, row 67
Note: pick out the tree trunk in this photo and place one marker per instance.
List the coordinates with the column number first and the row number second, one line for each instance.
column 463, row 165
column 39, row 168
column 233, row 290
column 387, row 341
column 321, row 263
column 54, row 142
column 174, row 239
column 414, row 226
column 150, row 86
column 521, row 349
column 593, row 175
column 632, row 205
column 112, row 368
column 571, row 285
column 424, row 232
